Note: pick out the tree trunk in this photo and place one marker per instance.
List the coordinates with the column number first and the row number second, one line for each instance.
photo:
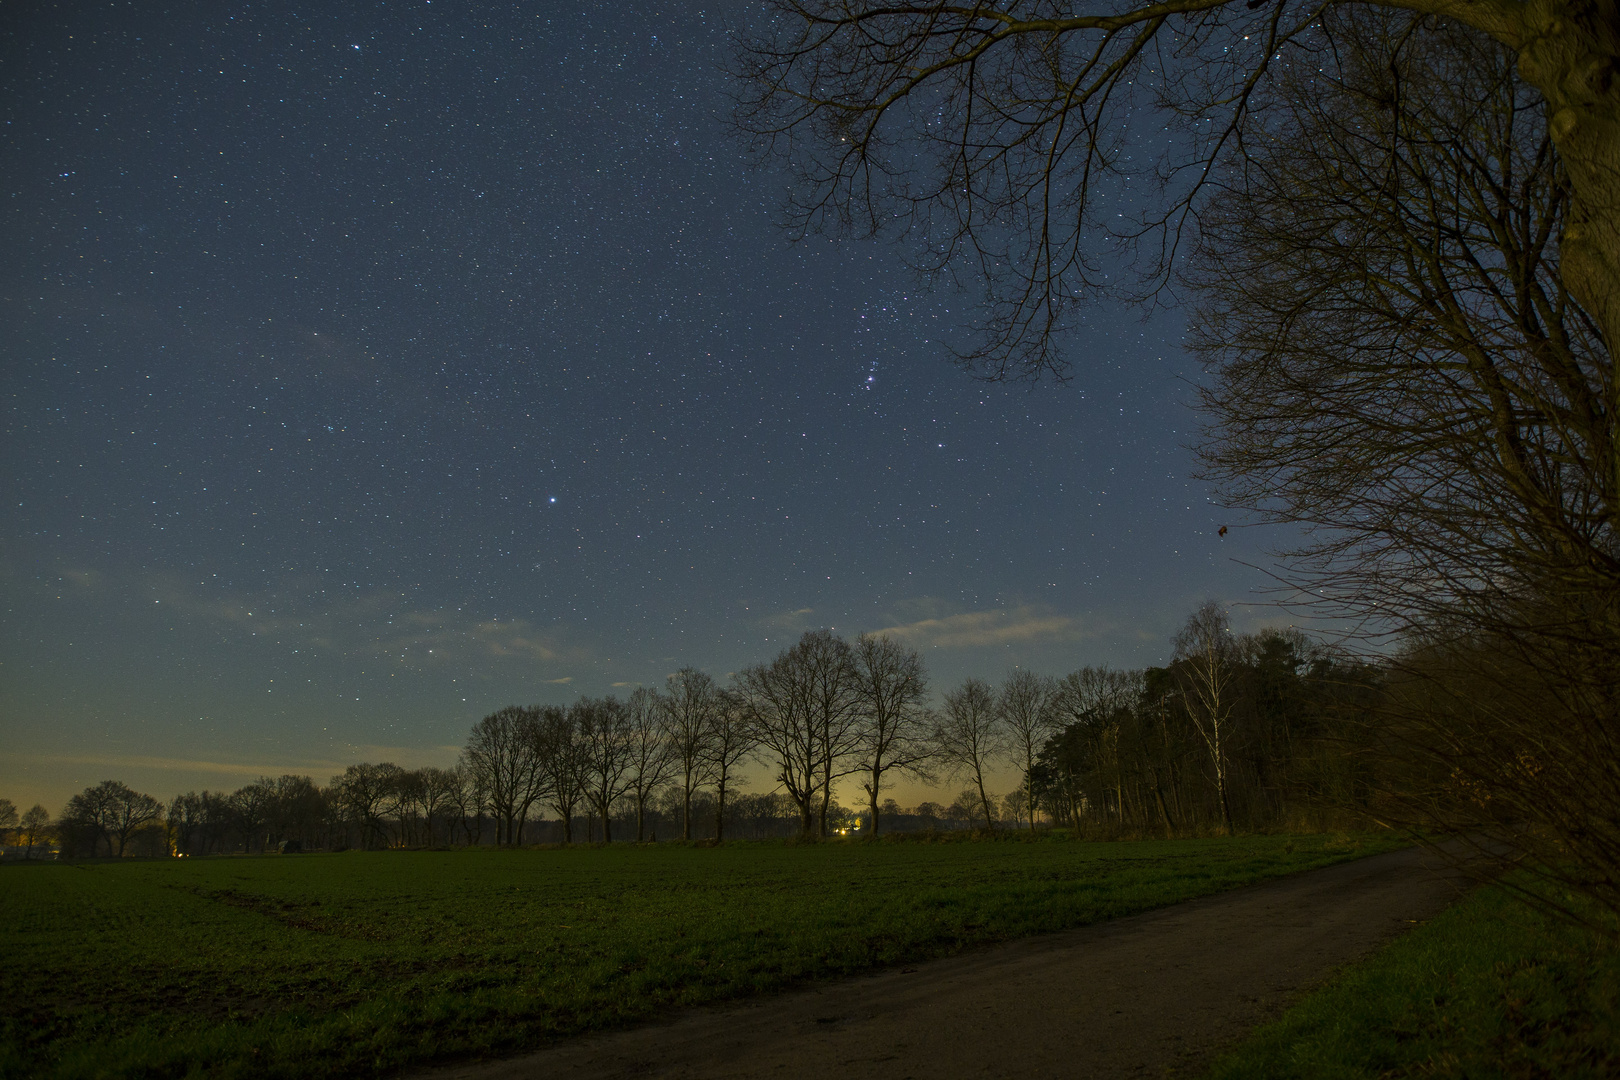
column 978, row 778
column 1164, row 811
column 1571, row 53
column 1220, row 781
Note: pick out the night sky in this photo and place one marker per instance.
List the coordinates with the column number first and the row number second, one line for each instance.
column 370, row 367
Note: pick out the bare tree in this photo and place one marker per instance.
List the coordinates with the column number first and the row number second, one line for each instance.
column 991, row 132
column 689, row 703
column 651, row 763
column 438, row 788
column 1407, row 217
column 367, row 792
column 503, row 753
column 971, row 737
column 467, row 797
column 409, row 805
column 8, row 816
column 131, row 811
column 827, row 664
column 1028, row 708
column 805, row 711
column 254, row 808
column 896, row 727
column 561, row 746
column 115, row 811
column 1402, row 366
column 607, row 739
column 732, row 740
column 33, row 828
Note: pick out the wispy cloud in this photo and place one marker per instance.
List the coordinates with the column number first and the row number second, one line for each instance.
column 319, row 768
column 378, row 623
column 975, row 629
column 187, row 765
column 797, row 619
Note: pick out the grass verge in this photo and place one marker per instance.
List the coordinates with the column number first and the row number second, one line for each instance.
column 361, row 963
column 1488, row 988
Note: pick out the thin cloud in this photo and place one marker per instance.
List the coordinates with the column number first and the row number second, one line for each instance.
column 375, row 623
column 167, row 764
column 976, row 629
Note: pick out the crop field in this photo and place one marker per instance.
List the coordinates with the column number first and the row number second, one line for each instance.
column 362, row 962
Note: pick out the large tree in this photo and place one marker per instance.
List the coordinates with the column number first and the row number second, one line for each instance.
column 891, row 690
column 651, row 762
column 806, row 714
column 688, row 705
column 503, row 754
column 32, row 829
column 1383, row 298
column 971, row 738
column 996, row 132
column 1405, row 223
column 1028, row 704
column 562, row 750
column 606, row 740
column 112, row 811
column 732, row 740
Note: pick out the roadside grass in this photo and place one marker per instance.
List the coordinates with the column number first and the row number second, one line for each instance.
column 1488, row 988
column 364, row 962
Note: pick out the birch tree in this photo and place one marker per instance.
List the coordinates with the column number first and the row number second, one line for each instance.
column 1204, row 667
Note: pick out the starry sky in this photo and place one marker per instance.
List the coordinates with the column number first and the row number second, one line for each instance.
column 368, row 367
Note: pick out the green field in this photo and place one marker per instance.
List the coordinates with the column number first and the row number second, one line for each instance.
column 1486, row 989
column 358, row 963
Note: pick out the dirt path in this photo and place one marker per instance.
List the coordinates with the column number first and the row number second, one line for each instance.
column 1130, row 998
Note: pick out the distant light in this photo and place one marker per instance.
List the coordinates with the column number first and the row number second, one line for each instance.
column 554, row 498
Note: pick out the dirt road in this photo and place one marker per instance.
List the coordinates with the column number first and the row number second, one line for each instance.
column 1130, row 998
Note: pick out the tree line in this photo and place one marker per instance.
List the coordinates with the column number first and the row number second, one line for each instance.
column 1238, row 732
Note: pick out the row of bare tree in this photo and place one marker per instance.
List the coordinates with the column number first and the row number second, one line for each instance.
column 822, row 710
column 1238, row 732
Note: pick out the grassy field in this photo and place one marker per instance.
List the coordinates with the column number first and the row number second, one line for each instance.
column 358, row 963
column 1486, row 989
